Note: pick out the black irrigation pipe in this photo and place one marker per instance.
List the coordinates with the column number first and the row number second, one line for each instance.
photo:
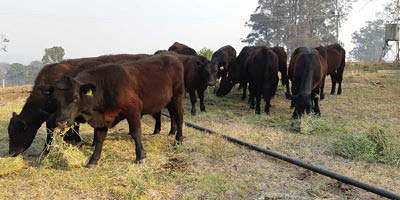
column 299, row 163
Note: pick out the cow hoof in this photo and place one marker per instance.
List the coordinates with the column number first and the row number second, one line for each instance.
column 267, row 112
column 91, row 165
column 156, row 132
column 203, row 109
column 258, row 112
column 193, row 113
column 138, row 161
column 171, row 132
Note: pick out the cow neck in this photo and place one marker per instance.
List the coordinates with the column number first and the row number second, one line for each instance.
column 30, row 112
column 306, row 80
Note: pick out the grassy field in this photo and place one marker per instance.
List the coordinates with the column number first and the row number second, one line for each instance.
column 357, row 136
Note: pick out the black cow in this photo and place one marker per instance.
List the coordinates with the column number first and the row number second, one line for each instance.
column 262, row 73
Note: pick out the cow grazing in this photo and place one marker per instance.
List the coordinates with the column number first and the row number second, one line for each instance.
column 182, row 49
column 39, row 106
column 336, row 58
column 236, row 74
column 262, row 73
column 105, row 95
column 307, row 70
column 236, row 71
column 222, row 59
column 199, row 74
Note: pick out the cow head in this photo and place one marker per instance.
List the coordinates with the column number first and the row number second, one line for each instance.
column 72, row 97
column 22, row 128
column 225, row 86
column 207, row 71
column 302, row 103
column 19, row 140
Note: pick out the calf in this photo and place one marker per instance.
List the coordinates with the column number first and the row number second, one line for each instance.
column 182, row 49
column 307, row 71
column 222, row 59
column 39, row 106
column 105, row 95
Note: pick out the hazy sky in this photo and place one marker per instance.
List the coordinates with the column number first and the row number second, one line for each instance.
column 93, row 28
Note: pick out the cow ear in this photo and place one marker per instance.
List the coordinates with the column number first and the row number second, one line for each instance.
column 14, row 114
column 87, row 89
column 46, row 89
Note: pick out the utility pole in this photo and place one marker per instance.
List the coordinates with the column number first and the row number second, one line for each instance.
column 337, row 22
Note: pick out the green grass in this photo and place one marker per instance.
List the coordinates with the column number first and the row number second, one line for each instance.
column 357, row 136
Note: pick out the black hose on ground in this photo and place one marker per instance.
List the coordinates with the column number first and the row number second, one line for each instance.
column 299, row 163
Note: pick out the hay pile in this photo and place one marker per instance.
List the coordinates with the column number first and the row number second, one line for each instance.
column 63, row 155
column 11, row 165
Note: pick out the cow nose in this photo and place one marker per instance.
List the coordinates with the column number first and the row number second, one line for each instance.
column 62, row 124
column 211, row 83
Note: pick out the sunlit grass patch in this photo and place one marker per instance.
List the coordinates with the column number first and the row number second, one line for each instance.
column 62, row 155
column 11, row 165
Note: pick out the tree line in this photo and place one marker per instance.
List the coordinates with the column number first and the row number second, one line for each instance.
column 295, row 23
column 18, row 74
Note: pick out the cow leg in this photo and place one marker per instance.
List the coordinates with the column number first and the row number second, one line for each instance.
column 296, row 114
column 322, row 95
column 252, row 90
column 258, row 101
column 157, row 127
column 172, row 115
column 176, row 106
column 200, row 93
column 244, row 85
column 50, row 126
column 135, row 131
column 339, row 79
column 100, row 136
column 193, row 99
column 333, row 78
column 316, row 105
column 72, row 136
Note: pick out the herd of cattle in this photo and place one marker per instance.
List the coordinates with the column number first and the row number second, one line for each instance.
column 104, row 90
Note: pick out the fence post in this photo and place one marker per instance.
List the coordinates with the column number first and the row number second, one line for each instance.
column 4, row 83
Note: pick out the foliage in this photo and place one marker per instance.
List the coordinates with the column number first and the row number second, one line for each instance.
column 19, row 74
column 368, row 41
column 294, row 23
column 206, row 52
column 53, row 55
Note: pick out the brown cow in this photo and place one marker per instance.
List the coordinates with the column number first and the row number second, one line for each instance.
column 307, row 71
column 182, row 49
column 222, row 59
column 338, row 59
column 38, row 108
column 105, row 95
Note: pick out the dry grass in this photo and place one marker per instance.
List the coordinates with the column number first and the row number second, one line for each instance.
column 207, row 166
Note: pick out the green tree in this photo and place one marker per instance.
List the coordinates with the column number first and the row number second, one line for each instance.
column 53, row 55
column 368, row 41
column 206, row 52
column 295, row 23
